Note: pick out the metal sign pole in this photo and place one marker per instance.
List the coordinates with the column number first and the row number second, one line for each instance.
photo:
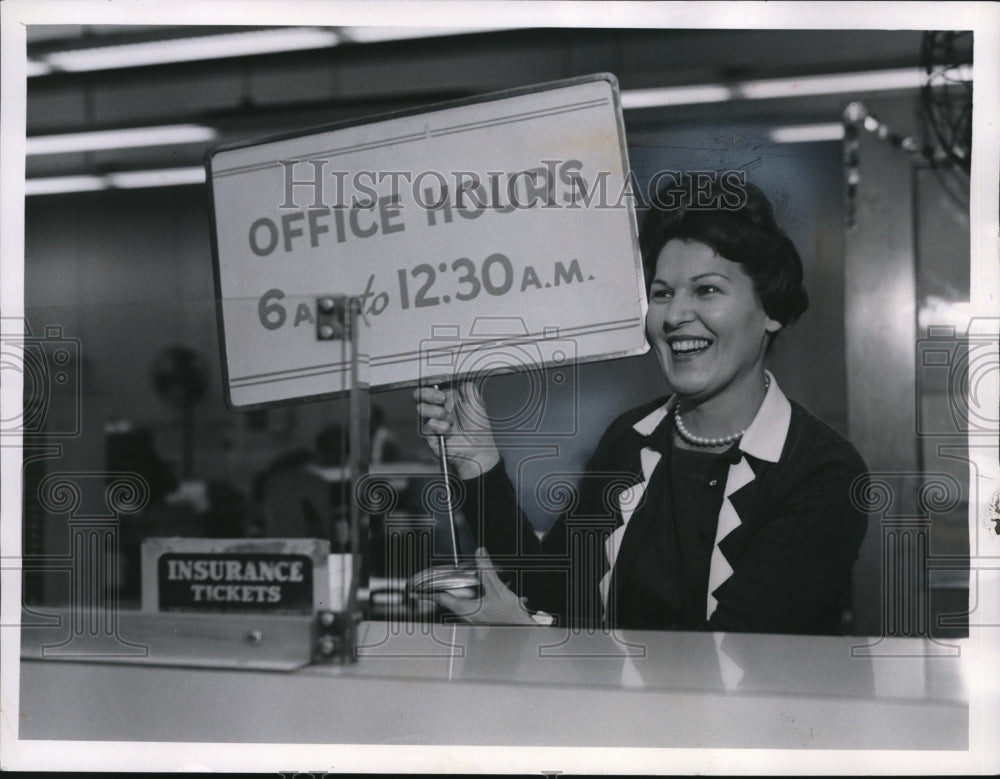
column 359, row 437
column 443, row 452
column 338, row 319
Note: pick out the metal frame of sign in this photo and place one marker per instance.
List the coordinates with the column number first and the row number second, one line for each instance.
column 372, row 119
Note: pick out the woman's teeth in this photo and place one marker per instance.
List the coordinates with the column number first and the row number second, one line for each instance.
column 689, row 346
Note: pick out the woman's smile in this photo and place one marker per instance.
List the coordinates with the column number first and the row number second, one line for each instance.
column 687, row 346
column 681, row 345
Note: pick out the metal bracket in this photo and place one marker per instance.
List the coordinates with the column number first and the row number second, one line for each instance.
column 335, row 637
column 332, row 320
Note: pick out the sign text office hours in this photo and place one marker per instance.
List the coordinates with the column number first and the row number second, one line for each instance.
column 552, row 185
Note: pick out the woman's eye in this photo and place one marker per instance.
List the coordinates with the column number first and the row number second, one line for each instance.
column 708, row 289
column 659, row 294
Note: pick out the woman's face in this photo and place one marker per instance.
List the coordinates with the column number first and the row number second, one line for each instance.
column 705, row 322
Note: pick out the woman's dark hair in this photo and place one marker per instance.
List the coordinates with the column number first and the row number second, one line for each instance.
column 736, row 220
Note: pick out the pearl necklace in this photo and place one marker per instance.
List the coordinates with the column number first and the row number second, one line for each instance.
column 697, row 440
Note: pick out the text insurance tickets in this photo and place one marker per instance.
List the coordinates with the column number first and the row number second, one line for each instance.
column 485, row 234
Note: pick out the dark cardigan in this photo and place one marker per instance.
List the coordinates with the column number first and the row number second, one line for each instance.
column 791, row 550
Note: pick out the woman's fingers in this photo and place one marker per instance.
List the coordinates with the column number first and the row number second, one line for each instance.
column 436, row 409
column 429, row 395
column 437, row 427
column 436, row 421
column 488, row 574
column 433, row 411
column 460, row 607
column 462, row 407
column 498, row 605
column 458, row 413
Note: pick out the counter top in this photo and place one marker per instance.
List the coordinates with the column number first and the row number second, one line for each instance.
column 470, row 685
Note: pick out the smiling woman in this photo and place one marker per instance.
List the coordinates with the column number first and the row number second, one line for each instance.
column 724, row 506
column 709, row 331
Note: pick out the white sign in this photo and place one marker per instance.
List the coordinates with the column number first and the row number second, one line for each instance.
column 483, row 235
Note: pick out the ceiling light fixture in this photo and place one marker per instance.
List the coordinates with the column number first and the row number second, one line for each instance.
column 205, row 47
column 133, row 179
column 35, row 68
column 166, row 177
column 379, row 34
column 55, row 185
column 803, row 86
column 838, row 83
column 807, row 133
column 99, row 140
column 667, row 96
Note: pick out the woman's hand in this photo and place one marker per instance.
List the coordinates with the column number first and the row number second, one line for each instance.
column 460, row 416
column 498, row 604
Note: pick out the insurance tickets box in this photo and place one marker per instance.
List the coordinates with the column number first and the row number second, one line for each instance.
column 272, row 575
